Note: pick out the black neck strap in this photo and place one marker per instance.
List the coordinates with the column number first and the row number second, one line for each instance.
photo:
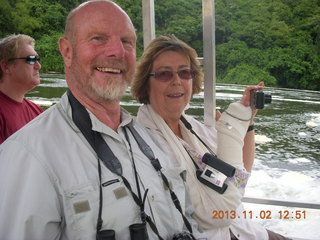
column 189, row 127
column 81, row 118
column 145, row 148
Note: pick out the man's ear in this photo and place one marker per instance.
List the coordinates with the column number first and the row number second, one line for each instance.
column 65, row 47
column 4, row 65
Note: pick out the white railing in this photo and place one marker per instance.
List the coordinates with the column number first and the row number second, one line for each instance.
column 281, row 202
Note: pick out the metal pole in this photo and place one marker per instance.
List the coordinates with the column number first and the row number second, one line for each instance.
column 209, row 55
column 148, row 21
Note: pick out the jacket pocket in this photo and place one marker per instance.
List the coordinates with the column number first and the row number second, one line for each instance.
column 82, row 209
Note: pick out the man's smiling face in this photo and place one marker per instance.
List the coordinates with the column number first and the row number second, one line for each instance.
column 103, row 51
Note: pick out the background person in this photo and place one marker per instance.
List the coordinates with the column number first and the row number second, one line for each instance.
column 19, row 73
column 58, row 185
column 167, row 76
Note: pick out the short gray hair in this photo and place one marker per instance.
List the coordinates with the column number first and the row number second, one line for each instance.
column 10, row 45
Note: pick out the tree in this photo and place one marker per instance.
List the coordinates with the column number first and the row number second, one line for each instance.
column 276, row 39
column 249, row 75
column 181, row 18
column 23, row 19
column 47, row 48
column 6, row 25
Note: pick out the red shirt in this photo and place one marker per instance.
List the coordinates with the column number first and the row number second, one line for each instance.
column 14, row 115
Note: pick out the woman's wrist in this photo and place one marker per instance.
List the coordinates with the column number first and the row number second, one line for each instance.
column 251, row 127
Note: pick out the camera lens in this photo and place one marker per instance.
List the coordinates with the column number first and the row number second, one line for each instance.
column 267, row 98
column 258, row 98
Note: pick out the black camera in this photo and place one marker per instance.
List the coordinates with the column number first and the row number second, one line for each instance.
column 258, row 99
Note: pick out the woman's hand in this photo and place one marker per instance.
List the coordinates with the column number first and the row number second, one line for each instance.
column 218, row 115
column 245, row 100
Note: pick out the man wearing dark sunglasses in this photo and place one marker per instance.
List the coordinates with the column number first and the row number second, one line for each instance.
column 19, row 73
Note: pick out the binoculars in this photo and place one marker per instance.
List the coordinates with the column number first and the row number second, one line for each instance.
column 138, row 231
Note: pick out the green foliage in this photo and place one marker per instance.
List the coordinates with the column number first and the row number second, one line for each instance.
column 51, row 17
column 47, row 48
column 276, row 41
column 279, row 37
column 181, row 18
column 67, row 4
column 249, row 75
column 23, row 18
column 6, row 25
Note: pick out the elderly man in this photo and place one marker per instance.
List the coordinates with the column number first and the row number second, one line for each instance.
column 83, row 169
column 19, row 73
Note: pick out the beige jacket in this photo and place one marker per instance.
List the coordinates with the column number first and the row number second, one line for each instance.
column 227, row 142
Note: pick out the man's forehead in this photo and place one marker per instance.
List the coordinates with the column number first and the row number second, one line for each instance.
column 25, row 48
column 102, row 25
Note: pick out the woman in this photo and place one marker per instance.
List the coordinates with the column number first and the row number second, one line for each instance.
column 167, row 76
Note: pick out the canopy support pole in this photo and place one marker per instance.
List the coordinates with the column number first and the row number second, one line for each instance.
column 148, row 21
column 209, row 61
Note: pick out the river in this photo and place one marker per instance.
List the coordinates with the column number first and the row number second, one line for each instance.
column 287, row 163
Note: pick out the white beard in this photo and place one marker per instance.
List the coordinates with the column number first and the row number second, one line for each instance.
column 112, row 91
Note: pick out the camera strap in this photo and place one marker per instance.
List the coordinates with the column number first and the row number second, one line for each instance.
column 219, row 166
column 81, row 118
column 144, row 216
column 145, row 148
column 189, row 127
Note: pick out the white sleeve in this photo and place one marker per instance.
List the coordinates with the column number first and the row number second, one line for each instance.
column 29, row 205
column 232, row 128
